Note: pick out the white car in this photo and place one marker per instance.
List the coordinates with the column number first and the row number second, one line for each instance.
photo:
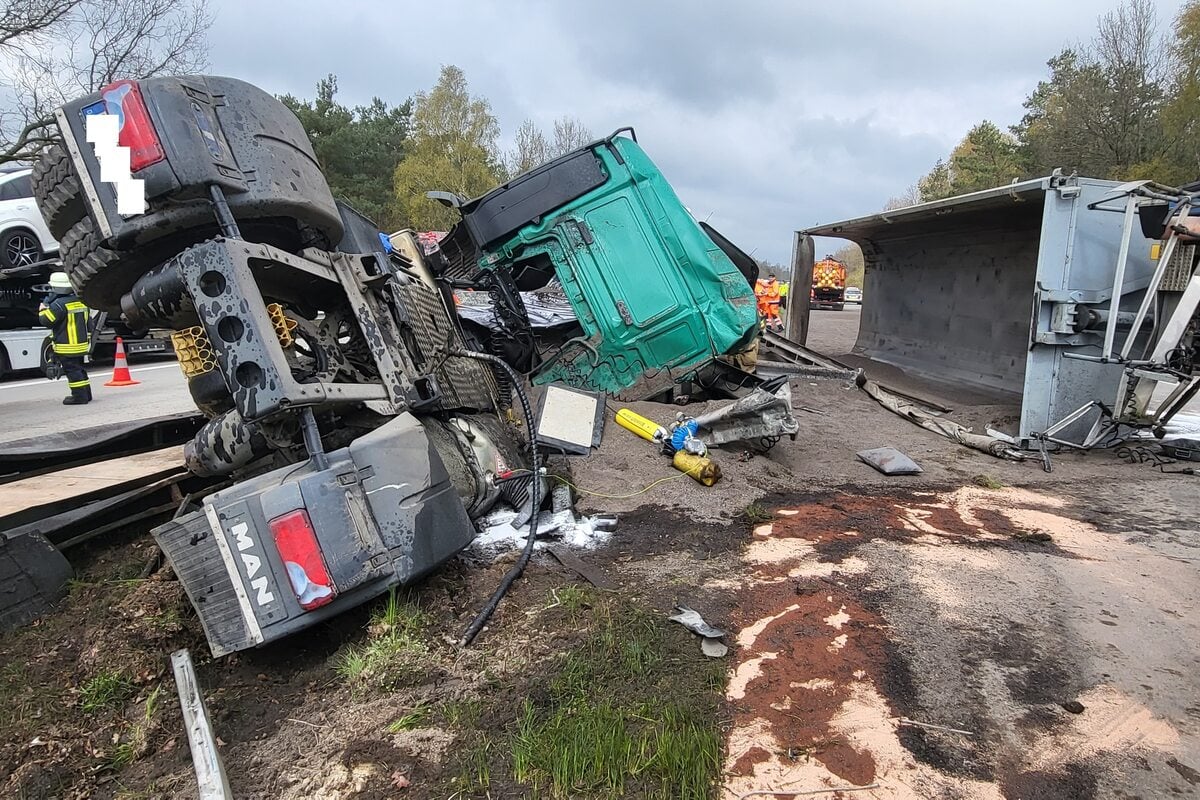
column 24, row 237
column 853, row 294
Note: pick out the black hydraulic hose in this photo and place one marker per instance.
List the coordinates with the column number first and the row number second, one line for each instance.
column 535, row 499
column 312, row 439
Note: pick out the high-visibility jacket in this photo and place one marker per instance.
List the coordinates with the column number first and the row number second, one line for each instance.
column 767, row 292
column 67, row 317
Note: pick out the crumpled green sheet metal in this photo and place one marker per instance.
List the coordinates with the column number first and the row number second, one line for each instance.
column 654, row 295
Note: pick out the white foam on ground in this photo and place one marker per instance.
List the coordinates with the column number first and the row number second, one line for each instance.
column 498, row 535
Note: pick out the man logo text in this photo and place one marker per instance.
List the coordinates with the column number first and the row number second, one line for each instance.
column 241, row 533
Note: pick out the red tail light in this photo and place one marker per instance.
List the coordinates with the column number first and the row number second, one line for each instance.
column 296, row 542
column 124, row 99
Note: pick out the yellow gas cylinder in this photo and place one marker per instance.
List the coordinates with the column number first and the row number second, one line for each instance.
column 702, row 468
column 647, row 429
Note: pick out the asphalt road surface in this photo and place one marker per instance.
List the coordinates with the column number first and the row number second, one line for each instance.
column 32, row 406
column 833, row 332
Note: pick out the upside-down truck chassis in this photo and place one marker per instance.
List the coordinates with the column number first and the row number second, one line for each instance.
column 355, row 433
column 356, row 439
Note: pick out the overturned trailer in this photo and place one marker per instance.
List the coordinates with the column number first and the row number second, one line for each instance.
column 995, row 294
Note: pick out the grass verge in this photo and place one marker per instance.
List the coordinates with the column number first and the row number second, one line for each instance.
column 394, row 654
column 756, row 513
column 631, row 710
column 987, row 482
column 108, row 689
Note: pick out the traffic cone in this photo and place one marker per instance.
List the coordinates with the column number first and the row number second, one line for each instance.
column 121, row 376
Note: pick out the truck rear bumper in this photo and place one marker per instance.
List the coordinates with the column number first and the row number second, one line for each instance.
column 382, row 514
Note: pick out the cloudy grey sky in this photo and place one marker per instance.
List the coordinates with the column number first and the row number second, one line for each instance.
column 768, row 116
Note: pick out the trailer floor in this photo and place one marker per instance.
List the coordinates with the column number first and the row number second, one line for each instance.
column 1048, row 619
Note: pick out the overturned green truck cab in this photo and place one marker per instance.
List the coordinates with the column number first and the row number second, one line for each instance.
column 655, row 296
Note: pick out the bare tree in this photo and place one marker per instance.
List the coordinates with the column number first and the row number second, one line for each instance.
column 1099, row 112
column 22, row 20
column 532, row 149
column 569, row 134
column 1134, row 52
column 67, row 48
column 909, row 197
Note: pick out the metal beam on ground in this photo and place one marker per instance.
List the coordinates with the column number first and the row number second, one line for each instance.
column 797, row 353
column 24, row 458
column 211, row 780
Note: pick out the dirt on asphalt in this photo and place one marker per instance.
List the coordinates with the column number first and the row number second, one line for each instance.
column 982, row 630
column 986, row 617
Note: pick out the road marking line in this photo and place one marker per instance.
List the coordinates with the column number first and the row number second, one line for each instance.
column 107, row 375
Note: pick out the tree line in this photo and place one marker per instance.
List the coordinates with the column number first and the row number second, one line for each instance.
column 383, row 159
column 379, row 157
column 52, row 51
column 1124, row 106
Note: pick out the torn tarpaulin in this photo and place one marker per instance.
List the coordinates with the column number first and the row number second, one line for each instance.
column 545, row 308
column 710, row 637
column 913, row 412
column 695, row 623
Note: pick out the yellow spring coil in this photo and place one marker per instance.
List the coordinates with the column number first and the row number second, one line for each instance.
column 194, row 351
column 283, row 326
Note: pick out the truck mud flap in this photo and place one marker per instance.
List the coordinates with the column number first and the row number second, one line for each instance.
column 191, row 547
column 33, row 577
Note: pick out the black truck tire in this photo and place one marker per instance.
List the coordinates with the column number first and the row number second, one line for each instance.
column 57, row 191
column 84, row 260
column 46, row 357
column 101, row 275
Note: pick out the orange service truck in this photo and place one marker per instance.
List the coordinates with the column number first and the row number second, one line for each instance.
column 829, row 284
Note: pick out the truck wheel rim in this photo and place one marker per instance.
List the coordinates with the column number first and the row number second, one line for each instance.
column 22, row 250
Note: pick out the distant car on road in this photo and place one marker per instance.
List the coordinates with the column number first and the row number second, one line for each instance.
column 24, row 237
column 853, row 294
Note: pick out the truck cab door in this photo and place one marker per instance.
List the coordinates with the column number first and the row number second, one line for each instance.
column 636, row 313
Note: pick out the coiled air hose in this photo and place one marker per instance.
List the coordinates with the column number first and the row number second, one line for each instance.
column 535, row 498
